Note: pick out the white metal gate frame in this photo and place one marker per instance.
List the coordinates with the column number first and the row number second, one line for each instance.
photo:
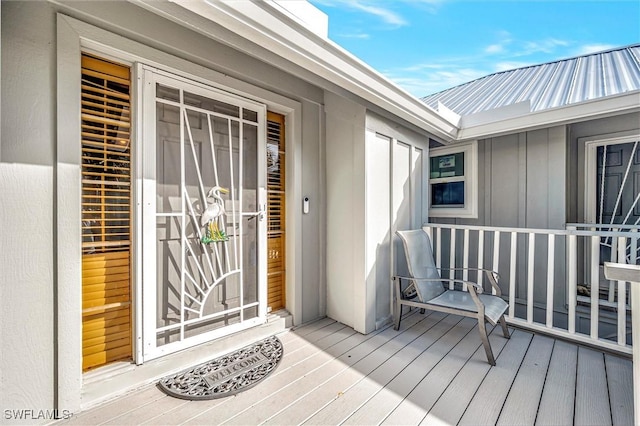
column 146, row 330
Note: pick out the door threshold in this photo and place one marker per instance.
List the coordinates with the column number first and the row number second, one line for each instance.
column 110, row 382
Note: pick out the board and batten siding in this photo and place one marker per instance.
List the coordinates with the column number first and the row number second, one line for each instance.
column 522, row 183
column 578, row 134
column 375, row 172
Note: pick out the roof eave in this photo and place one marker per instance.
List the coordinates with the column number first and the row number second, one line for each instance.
column 592, row 109
column 326, row 63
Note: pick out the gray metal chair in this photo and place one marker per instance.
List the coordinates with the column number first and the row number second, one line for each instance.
column 424, row 288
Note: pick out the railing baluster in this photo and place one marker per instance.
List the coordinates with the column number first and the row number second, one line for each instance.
column 465, row 258
column 512, row 275
column 580, row 245
column 633, row 253
column 452, row 257
column 573, row 281
column 622, row 294
column 614, row 254
column 480, row 276
column 530, row 270
column 551, row 256
column 439, row 250
column 595, row 285
column 496, row 255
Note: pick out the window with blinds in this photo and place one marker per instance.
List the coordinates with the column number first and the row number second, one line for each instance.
column 106, row 211
column 275, row 211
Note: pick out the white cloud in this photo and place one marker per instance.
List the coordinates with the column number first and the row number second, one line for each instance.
column 504, row 39
column 361, row 36
column 435, row 80
column 494, row 48
column 386, row 15
column 506, row 66
column 592, row 48
column 370, row 7
column 548, row 45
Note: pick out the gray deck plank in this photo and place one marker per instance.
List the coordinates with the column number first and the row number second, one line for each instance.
column 268, row 396
column 427, row 372
column 158, row 410
column 359, row 393
column 305, row 329
column 451, row 402
column 161, row 411
column 521, row 405
column 487, row 403
column 357, row 364
column 410, row 402
column 592, row 396
column 118, row 407
column 620, row 381
column 389, row 394
column 558, row 396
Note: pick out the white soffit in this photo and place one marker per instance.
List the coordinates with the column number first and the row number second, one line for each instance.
column 271, row 32
column 593, row 109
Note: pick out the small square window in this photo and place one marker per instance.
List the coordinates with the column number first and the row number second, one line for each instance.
column 449, row 194
column 453, row 181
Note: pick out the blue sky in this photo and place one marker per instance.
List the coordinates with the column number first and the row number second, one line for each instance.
column 426, row 46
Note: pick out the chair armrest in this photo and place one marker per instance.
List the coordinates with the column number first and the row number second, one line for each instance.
column 492, row 276
column 476, row 287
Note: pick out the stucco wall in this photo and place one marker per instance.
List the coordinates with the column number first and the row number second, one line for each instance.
column 30, row 262
column 27, row 209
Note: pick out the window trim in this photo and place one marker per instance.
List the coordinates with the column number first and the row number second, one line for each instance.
column 470, row 179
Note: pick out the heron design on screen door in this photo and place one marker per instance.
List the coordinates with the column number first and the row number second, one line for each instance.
column 213, row 217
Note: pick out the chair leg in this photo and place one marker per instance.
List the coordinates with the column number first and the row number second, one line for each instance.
column 398, row 314
column 422, row 310
column 505, row 330
column 485, row 341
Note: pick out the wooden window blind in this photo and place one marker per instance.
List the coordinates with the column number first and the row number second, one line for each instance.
column 106, row 156
column 106, row 211
column 276, row 211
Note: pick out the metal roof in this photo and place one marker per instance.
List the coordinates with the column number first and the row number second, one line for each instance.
column 550, row 85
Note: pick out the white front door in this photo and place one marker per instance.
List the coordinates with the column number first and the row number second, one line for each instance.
column 203, row 201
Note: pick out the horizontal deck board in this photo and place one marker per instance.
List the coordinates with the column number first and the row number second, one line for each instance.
column 592, row 395
column 411, row 407
column 558, row 396
column 388, row 392
column 523, row 399
column 620, row 380
column 432, row 370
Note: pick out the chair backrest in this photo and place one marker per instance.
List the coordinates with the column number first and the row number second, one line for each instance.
column 417, row 249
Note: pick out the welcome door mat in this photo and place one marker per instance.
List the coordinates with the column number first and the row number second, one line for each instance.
column 227, row 375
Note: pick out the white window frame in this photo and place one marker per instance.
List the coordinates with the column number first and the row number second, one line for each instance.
column 469, row 210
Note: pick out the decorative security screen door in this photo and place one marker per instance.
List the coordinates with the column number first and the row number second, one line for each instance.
column 203, row 196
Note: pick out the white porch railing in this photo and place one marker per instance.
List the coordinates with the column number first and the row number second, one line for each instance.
column 541, row 273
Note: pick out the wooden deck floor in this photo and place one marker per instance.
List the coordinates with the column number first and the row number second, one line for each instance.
column 432, row 371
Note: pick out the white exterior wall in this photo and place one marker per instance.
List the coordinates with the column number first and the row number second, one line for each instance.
column 40, row 323
column 27, row 235
column 374, row 187
column 345, row 124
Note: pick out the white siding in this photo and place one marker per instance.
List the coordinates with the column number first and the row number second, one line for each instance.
column 345, row 205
